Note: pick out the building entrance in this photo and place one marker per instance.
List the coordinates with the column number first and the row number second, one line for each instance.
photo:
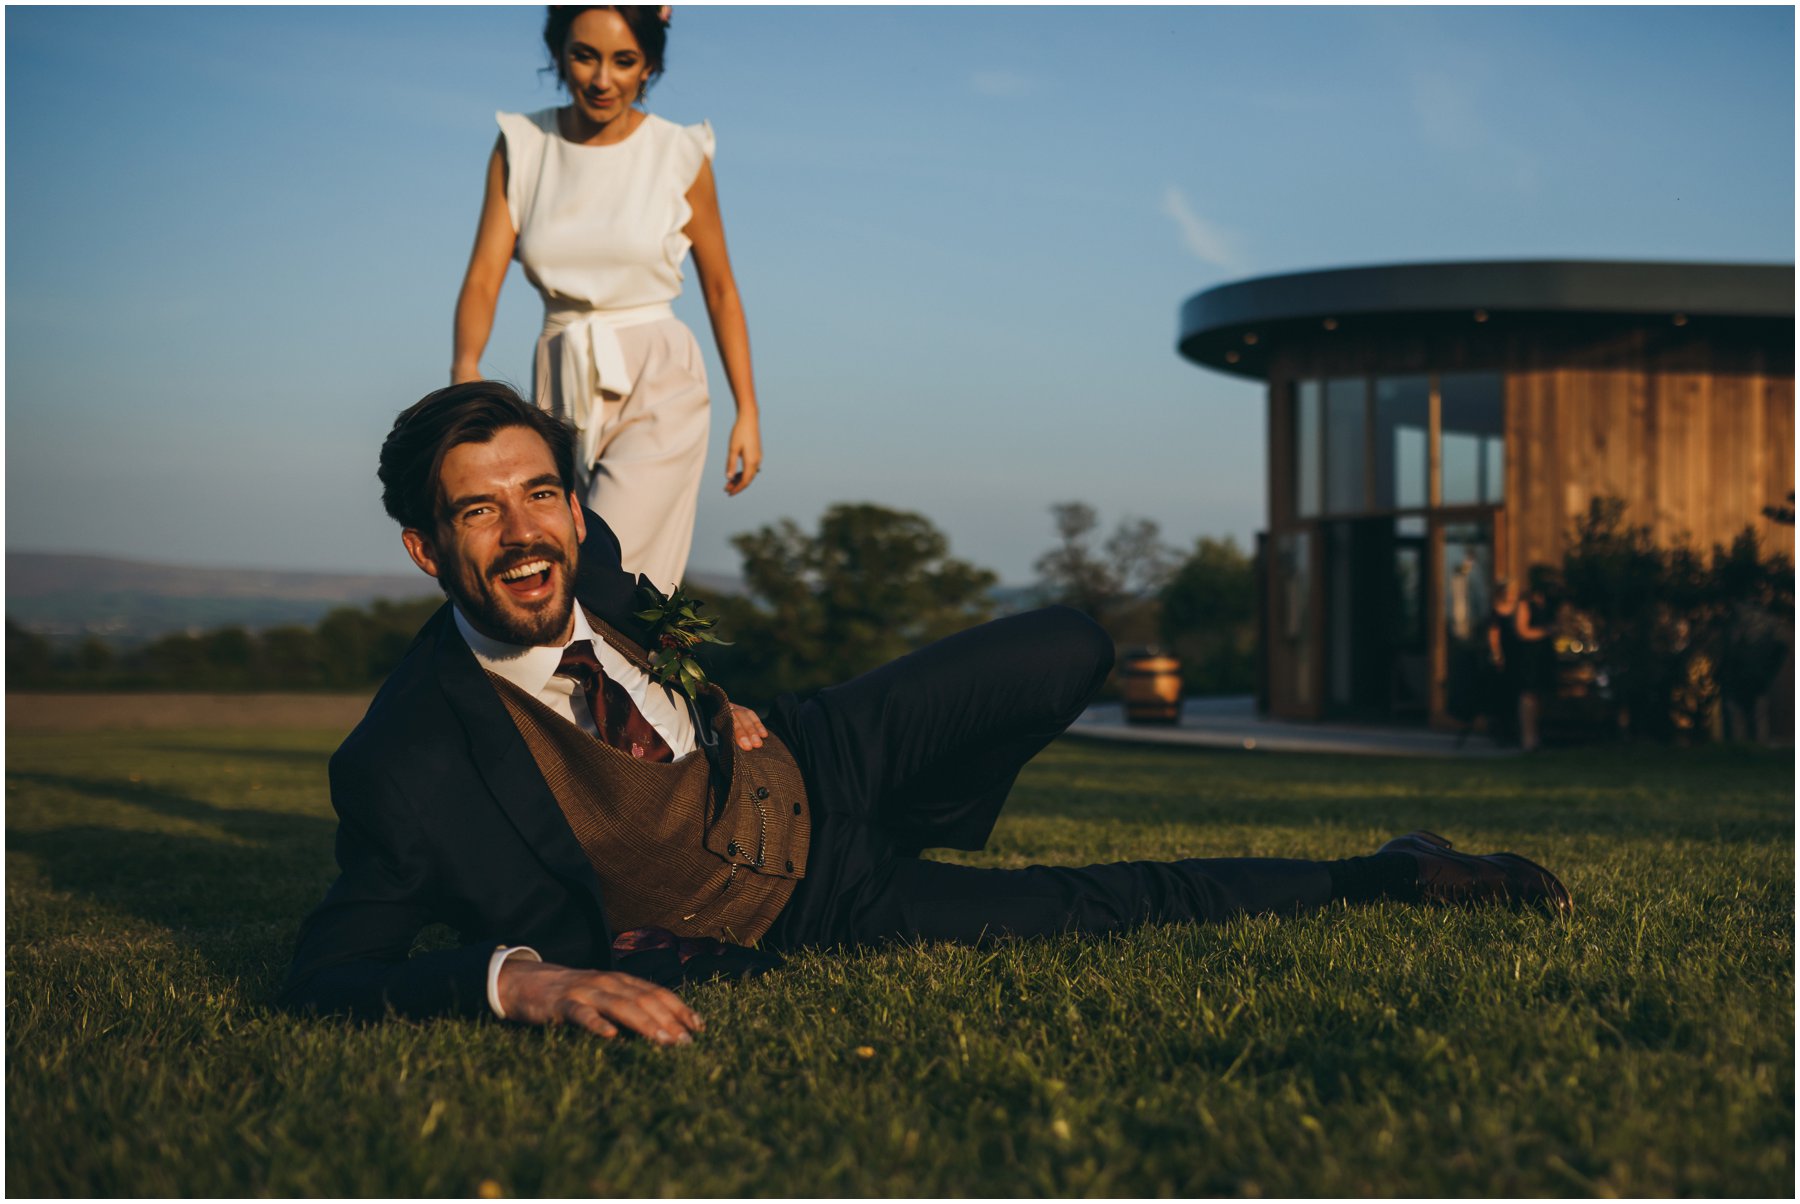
column 1466, row 595
column 1377, row 655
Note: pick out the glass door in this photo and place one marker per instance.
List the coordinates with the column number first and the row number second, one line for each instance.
column 1465, row 596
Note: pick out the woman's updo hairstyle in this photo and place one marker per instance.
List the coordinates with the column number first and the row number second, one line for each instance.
column 648, row 23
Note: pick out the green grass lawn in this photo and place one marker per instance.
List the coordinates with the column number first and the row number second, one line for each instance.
column 155, row 881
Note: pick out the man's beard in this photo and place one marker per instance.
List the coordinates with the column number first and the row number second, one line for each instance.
column 482, row 599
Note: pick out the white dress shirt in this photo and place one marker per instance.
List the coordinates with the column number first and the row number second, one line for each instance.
column 533, row 670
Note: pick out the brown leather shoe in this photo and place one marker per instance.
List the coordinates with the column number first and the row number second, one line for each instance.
column 1450, row 878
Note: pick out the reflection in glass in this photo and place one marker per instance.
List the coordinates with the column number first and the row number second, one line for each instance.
column 1306, row 448
column 1409, row 597
column 1411, row 667
column 1473, row 453
column 1468, row 580
column 1402, row 424
column 1293, row 560
column 1340, row 551
column 1346, row 405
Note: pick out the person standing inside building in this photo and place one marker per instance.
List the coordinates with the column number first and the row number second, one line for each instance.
column 1524, row 655
column 600, row 201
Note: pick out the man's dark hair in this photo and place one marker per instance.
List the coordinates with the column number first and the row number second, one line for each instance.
column 423, row 435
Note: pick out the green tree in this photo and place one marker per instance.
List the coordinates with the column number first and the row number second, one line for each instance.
column 1131, row 563
column 229, row 654
column 29, row 664
column 94, row 658
column 1676, row 630
column 290, row 658
column 1750, row 621
column 1208, row 618
column 870, row 585
column 1114, row 584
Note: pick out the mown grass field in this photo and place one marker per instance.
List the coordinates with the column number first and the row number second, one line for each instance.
column 155, row 880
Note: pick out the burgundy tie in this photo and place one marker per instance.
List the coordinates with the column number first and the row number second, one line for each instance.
column 616, row 717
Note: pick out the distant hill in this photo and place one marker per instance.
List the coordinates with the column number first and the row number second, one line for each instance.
column 127, row 602
column 130, row 601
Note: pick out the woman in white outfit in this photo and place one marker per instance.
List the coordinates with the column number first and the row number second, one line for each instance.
column 600, row 202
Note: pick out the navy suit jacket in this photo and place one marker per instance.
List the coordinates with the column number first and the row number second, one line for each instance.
column 443, row 817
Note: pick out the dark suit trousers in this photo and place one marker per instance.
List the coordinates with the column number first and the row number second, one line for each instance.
column 922, row 752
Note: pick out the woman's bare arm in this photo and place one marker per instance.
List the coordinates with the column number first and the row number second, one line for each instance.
column 706, row 230
column 1523, row 624
column 488, row 262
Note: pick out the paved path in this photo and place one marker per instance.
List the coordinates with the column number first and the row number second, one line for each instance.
column 1234, row 723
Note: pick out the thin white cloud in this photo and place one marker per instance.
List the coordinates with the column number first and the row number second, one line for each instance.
column 1206, row 241
column 1002, row 83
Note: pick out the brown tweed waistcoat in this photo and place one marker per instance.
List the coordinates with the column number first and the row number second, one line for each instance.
column 669, row 854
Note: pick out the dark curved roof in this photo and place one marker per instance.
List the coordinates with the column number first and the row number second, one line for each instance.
column 1230, row 327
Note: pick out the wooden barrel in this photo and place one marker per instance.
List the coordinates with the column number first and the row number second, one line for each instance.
column 1151, row 685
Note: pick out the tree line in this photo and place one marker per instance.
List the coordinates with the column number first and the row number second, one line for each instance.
column 351, row 648
column 865, row 585
column 1674, row 632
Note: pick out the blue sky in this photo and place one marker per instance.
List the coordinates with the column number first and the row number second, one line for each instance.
column 234, row 238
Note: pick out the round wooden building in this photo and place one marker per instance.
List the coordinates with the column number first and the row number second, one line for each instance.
column 1433, row 427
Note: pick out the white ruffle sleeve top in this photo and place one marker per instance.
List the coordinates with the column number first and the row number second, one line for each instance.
column 600, row 227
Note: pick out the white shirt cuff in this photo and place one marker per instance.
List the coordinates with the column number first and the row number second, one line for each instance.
column 495, row 962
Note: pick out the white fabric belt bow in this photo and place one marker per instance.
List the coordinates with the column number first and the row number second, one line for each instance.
column 593, row 362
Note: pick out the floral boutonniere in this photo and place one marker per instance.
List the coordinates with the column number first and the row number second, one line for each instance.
column 676, row 629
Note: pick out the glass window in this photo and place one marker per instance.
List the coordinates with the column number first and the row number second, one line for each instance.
column 1474, row 440
column 1340, row 607
column 1346, row 406
column 1306, row 448
column 1468, row 580
column 1293, row 604
column 1402, row 427
column 1409, row 588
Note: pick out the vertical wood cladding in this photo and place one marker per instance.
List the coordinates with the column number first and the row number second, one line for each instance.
column 1693, row 427
column 1695, row 449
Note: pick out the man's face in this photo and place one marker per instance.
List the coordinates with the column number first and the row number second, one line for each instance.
column 508, row 540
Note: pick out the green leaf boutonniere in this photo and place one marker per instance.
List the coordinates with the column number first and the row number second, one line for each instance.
column 676, row 629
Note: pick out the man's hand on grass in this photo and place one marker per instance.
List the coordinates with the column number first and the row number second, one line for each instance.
column 600, row 1001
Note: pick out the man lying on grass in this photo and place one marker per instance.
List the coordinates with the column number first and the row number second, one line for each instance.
column 525, row 777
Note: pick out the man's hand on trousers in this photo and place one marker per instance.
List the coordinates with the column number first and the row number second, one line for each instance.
column 598, row 1000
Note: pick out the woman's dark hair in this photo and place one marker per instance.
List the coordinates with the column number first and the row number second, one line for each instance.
column 644, row 20
column 423, row 435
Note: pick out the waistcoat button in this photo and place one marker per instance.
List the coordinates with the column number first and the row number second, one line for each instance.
column 732, row 849
column 796, row 808
column 762, row 792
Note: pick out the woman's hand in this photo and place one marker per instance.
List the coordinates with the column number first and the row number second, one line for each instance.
column 743, row 455
column 746, row 728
